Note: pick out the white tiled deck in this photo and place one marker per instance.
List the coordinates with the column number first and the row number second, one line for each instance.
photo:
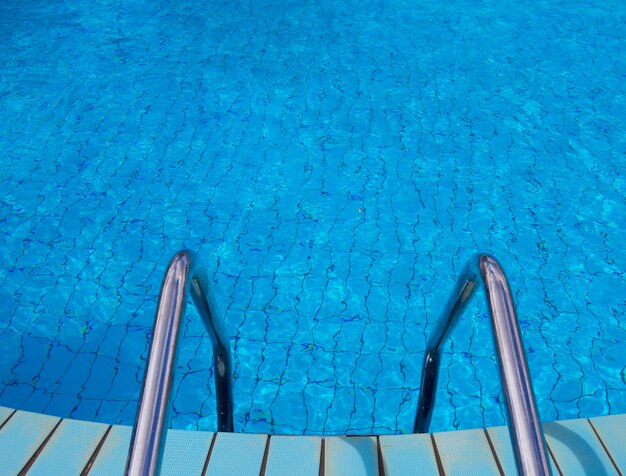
column 35, row 444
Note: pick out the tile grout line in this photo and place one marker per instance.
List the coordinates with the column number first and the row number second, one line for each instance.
column 381, row 463
column 265, row 454
column 209, row 453
column 604, row 446
column 556, row 463
column 7, row 419
column 322, row 457
column 442, row 471
column 93, row 457
column 493, row 452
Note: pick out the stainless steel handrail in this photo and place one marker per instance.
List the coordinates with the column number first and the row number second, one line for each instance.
column 524, row 425
column 148, row 439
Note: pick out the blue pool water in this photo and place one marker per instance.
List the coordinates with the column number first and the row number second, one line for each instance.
column 333, row 163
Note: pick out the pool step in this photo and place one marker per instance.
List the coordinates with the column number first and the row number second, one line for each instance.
column 33, row 444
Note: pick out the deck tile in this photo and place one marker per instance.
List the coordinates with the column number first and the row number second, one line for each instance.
column 290, row 455
column 466, row 453
column 504, row 449
column 351, row 456
column 111, row 460
column 185, row 452
column 612, row 431
column 21, row 437
column 237, row 454
column 577, row 449
column 408, row 455
column 69, row 448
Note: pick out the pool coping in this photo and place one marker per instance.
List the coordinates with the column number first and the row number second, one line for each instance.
column 36, row 444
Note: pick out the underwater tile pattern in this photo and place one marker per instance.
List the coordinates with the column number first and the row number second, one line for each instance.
column 334, row 164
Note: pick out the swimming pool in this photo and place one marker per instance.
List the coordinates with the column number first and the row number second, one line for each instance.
column 333, row 164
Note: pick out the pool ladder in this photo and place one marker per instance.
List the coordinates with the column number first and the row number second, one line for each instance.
column 149, row 431
column 148, row 438
column 523, row 422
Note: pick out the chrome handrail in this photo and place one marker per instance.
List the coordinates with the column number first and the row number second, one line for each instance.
column 524, row 425
column 149, row 432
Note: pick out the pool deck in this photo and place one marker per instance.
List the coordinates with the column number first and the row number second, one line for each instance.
column 36, row 444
